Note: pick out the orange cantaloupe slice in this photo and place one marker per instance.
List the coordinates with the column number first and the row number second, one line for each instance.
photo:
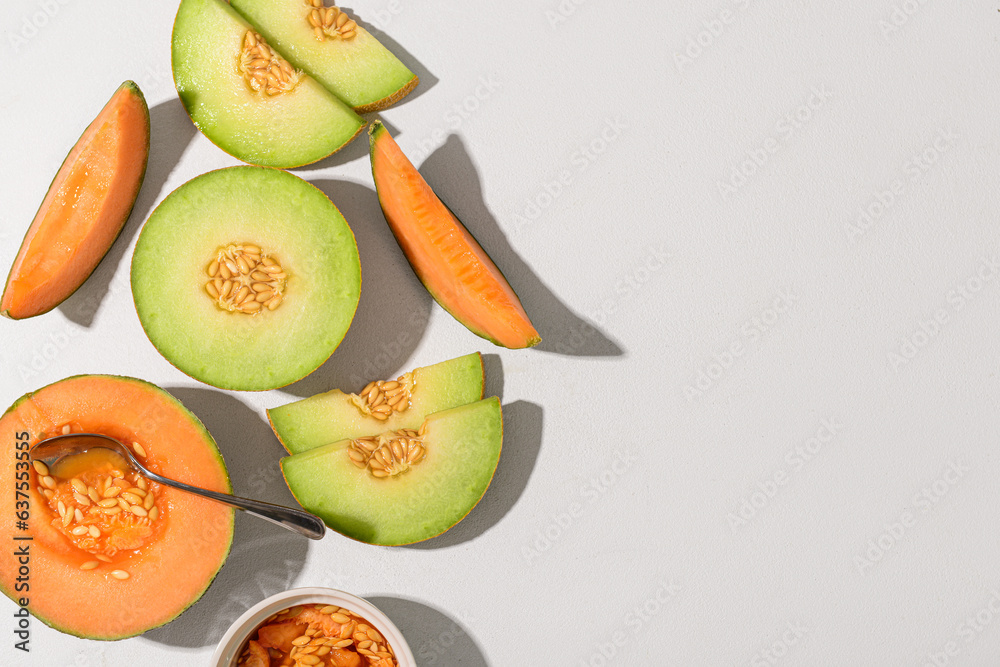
column 190, row 539
column 87, row 205
column 445, row 256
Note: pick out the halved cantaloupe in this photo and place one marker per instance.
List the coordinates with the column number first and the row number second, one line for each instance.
column 445, row 256
column 86, row 207
column 139, row 572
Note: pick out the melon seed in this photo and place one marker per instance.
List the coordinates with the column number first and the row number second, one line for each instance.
column 254, row 280
column 388, row 455
column 380, row 399
column 257, row 65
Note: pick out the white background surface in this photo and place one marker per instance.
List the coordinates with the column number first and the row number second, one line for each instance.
column 631, row 505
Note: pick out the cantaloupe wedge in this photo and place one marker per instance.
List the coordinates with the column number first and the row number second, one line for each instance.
column 445, row 256
column 84, row 210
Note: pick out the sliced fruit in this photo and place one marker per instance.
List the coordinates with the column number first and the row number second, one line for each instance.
column 246, row 98
column 86, row 207
column 448, row 260
column 246, row 278
column 402, row 486
column 107, row 572
column 332, row 48
column 308, row 632
column 335, row 415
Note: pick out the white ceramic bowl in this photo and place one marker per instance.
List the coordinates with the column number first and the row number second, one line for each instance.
column 229, row 648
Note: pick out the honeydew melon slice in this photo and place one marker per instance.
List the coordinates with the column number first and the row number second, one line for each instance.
column 415, row 501
column 348, row 60
column 336, row 415
column 222, row 80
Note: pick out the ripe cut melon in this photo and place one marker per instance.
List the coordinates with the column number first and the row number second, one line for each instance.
column 348, row 61
column 239, row 341
column 168, row 558
column 223, row 82
column 414, row 501
column 445, row 256
column 87, row 205
column 336, row 415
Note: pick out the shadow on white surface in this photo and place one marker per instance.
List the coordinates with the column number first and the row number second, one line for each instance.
column 265, row 559
column 427, row 80
column 394, row 307
column 522, row 442
column 493, row 376
column 171, row 130
column 455, row 179
column 434, row 637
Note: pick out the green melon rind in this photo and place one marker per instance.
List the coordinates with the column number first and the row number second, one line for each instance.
column 229, row 489
column 168, row 287
column 361, row 72
column 289, row 130
column 330, row 416
column 134, row 89
column 463, row 450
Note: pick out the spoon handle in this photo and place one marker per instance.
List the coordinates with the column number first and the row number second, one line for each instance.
column 298, row 521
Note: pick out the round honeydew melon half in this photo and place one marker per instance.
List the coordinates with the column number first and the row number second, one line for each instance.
column 292, row 222
column 290, row 129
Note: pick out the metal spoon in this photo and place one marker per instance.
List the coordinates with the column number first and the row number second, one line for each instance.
column 52, row 450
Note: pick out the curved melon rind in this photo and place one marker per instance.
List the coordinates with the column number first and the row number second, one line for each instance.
column 463, row 450
column 73, row 273
column 10, row 424
column 386, row 102
column 331, row 416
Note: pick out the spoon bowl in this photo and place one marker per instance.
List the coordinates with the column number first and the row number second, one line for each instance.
column 54, row 452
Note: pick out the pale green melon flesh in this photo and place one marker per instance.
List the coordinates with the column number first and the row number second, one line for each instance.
column 360, row 71
column 463, row 449
column 290, row 220
column 331, row 416
column 301, row 126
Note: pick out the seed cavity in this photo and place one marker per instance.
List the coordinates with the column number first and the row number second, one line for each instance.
column 389, row 454
column 380, row 399
column 329, row 22
column 268, row 75
column 90, row 511
column 247, row 272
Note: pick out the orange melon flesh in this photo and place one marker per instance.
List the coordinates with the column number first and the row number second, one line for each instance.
column 448, row 260
column 189, row 542
column 84, row 210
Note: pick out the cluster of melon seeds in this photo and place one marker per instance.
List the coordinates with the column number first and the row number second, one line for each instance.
column 382, row 398
column 330, row 635
column 242, row 278
column 330, row 21
column 263, row 69
column 388, row 454
column 101, row 512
